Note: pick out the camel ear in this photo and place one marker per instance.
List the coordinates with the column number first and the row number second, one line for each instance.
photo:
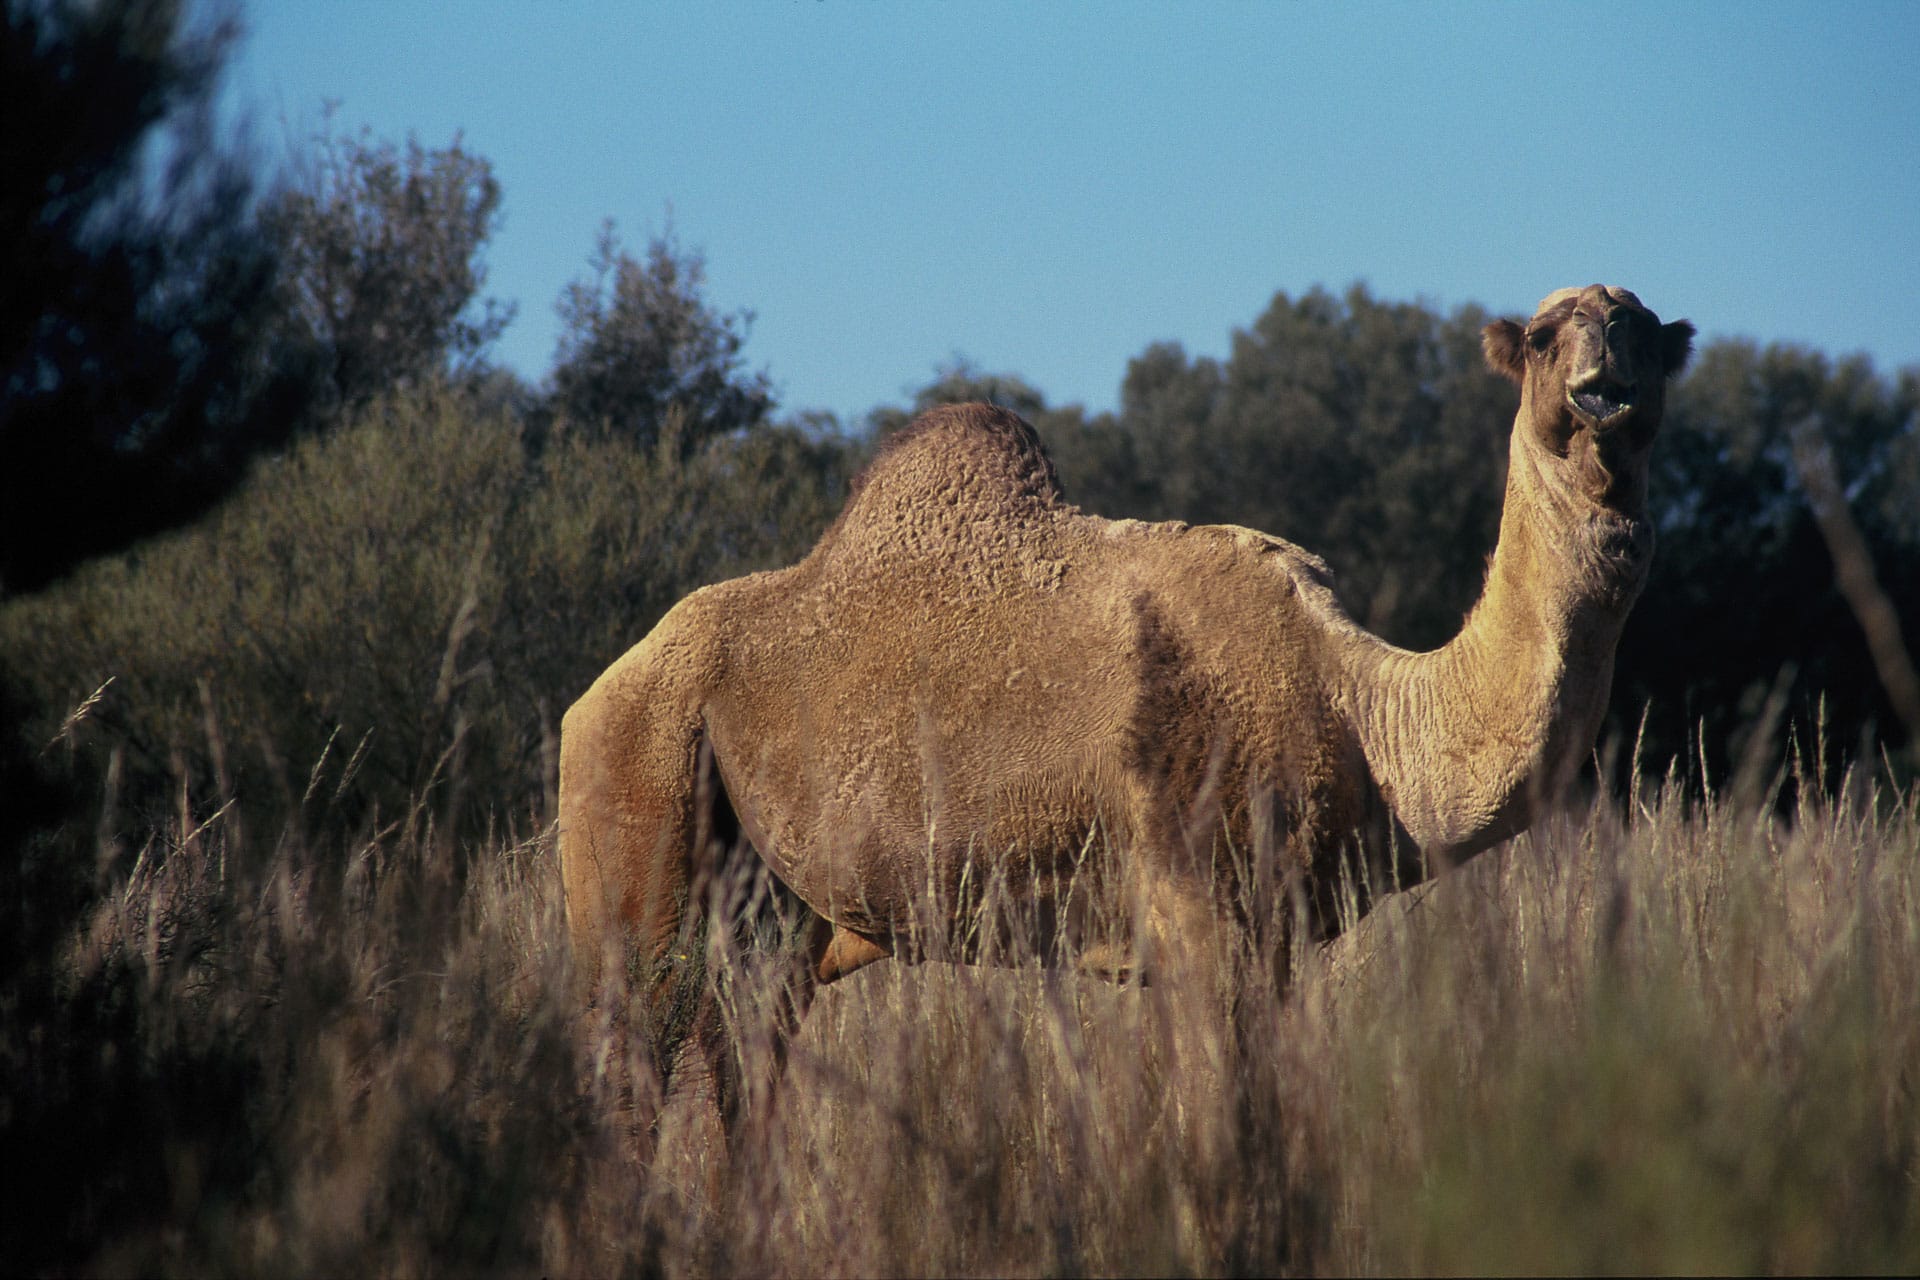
column 1505, row 345
column 1676, row 345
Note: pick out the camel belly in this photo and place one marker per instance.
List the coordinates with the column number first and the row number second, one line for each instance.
column 883, row 852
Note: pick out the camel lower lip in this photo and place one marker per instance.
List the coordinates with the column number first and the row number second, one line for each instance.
column 1598, row 407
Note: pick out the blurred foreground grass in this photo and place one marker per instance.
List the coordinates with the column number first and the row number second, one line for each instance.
column 1670, row 1033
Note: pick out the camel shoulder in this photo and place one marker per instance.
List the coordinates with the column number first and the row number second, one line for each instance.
column 1295, row 560
column 1310, row 577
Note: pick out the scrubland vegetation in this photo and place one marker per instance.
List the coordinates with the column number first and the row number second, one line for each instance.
column 290, row 988
column 1671, row 1032
column 287, row 631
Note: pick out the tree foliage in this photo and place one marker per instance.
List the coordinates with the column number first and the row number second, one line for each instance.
column 135, row 370
column 383, row 248
column 638, row 341
column 1742, row 605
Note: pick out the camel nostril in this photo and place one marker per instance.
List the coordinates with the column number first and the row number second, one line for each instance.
column 1619, row 336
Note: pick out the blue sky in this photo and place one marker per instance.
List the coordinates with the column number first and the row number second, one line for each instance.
column 1046, row 190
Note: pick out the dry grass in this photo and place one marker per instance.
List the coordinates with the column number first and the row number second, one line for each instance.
column 1671, row 1033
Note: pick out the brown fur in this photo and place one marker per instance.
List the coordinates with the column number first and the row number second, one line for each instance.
column 968, row 676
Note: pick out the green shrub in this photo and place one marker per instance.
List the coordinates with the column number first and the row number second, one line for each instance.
column 391, row 619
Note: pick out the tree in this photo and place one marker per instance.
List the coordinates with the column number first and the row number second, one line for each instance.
column 639, row 340
column 134, row 374
column 1742, row 606
column 383, row 259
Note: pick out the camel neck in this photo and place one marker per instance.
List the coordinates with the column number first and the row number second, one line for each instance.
column 1469, row 741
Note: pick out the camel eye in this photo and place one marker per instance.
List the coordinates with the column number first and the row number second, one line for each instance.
column 1541, row 340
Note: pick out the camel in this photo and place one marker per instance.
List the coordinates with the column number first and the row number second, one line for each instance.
column 970, row 679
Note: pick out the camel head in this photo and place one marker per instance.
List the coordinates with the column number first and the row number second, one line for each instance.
column 1592, row 366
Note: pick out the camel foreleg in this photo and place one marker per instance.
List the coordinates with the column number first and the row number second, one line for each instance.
column 636, row 837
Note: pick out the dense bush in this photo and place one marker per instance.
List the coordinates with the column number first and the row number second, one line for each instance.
column 1742, row 604
column 406, row 605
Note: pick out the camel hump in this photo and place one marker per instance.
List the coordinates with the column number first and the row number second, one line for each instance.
column 970, row 461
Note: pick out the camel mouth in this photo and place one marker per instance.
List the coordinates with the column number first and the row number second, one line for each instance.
column 1602, row 403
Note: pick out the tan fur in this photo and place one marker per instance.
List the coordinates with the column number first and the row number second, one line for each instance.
column 968, row 676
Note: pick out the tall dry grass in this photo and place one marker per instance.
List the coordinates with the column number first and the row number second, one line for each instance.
column 1674, row 1032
